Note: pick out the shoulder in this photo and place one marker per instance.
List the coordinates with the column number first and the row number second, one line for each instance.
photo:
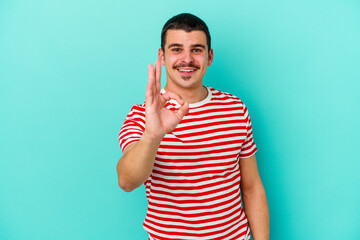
column 225, row 98
column 218, row 95
column 137, row 111
column 138, row 108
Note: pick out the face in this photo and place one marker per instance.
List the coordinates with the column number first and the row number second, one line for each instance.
column 186, row 57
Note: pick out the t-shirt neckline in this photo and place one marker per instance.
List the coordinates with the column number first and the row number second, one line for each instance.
column 193, row 105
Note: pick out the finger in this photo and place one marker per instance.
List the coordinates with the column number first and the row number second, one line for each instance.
column 170, row 95
column 162, row 101
column 158, row 75
column 183, row 110
column 151, row 83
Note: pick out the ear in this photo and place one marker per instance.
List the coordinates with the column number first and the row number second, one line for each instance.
column 161, row 56
column 210, row 57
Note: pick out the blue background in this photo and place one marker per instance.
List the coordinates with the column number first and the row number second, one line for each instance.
column 71, row 70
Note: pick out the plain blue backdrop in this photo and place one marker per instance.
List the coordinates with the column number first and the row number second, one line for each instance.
column 71, row 70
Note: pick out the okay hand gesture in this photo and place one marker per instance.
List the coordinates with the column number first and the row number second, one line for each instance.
column 160, row 120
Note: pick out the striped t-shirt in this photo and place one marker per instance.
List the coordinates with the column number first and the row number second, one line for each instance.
column 194, row 189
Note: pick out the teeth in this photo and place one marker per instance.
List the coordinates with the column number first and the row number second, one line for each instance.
column 183, row 70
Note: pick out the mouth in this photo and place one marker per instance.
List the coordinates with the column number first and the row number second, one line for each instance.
column 187, row 71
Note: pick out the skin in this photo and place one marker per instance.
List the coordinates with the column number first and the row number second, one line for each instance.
column 186, row 58
column 254, row 198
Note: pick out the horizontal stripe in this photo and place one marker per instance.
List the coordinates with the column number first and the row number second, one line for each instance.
column 186, row 235
column 195, row 219
column 184, row 211
column 189, row 187
column 193, row 179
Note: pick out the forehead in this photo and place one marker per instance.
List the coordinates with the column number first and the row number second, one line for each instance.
column 185, row 38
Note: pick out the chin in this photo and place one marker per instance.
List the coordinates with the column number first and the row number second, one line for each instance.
column 188, row 83
column 185, row 78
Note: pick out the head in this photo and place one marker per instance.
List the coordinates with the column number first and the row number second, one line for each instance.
column 188, row 23
column 185, row 51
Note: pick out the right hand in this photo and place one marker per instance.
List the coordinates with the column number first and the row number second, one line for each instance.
column 160, row 120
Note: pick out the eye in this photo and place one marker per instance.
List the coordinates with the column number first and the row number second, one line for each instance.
column 197, row 50
column 176, row 49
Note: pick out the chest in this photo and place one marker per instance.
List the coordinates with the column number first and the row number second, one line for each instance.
column 207, row 145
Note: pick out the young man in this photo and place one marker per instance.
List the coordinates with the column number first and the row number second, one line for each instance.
column 188, row 143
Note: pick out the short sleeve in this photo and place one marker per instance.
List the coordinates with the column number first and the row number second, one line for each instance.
column 248, row 148
column 133, row 127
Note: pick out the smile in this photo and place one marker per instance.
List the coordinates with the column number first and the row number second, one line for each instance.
column 187, row 70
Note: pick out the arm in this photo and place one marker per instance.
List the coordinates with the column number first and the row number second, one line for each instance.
column 137, row 162
column 254, row 198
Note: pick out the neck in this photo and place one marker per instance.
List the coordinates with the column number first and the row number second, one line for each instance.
column 189, row 95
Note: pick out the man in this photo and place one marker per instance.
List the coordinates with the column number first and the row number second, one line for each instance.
column 187, row 145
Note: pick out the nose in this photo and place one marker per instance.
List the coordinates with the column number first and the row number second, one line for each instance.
column 187, row 57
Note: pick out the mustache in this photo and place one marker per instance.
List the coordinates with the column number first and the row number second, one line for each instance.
column 187, row 65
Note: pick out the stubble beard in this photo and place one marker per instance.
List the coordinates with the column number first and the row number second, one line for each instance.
column 185, row 78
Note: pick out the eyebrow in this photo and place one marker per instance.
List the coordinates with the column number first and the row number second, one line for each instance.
column 180, row 45
column 198, row 45
column 175, row 45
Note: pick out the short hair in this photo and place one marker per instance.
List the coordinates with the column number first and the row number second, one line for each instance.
column 187, row 22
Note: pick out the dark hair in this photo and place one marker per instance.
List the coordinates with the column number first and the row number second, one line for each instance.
column 187, row 22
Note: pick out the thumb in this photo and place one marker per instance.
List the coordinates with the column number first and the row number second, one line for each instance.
column 183, row 110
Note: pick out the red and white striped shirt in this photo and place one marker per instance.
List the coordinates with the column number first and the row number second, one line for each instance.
column 194, row 189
